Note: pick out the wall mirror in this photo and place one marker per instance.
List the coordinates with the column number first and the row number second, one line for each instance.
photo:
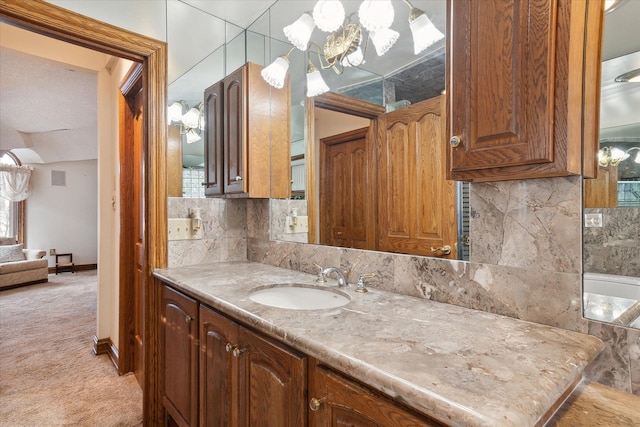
column 396, row 80
column 611, row 233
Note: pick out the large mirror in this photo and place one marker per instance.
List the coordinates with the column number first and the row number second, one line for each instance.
column 611, row 235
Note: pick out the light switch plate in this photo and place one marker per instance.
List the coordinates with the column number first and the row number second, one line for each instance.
column 593, row 220
column 302, row 225
column 181, row 229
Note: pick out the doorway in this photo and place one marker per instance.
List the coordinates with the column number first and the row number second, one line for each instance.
column 55, row 22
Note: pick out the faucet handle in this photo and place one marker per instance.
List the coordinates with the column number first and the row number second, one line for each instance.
column 361, row 286
column 320, row 278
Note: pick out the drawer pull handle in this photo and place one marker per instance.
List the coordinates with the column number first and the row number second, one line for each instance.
column 314, row 404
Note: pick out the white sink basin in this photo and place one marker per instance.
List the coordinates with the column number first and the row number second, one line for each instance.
column 295, row 296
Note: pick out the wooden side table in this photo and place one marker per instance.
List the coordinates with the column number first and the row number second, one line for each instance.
column 64, row 262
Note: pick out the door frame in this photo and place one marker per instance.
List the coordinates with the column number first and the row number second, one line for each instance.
column 341, row 104
column 61, row 24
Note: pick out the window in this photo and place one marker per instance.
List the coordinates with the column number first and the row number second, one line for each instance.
column 11, row 218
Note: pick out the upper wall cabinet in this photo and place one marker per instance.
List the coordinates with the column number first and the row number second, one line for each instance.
column 246, row 131
column 514, row 112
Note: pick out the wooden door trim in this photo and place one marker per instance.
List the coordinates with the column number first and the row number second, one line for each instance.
column 52, row 21
column 342, row 104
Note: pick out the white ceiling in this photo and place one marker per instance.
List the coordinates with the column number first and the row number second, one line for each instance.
column 51, row 109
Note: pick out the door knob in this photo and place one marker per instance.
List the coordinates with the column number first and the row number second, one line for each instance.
column 314, row 404
column 444, row 250
column 455, row 141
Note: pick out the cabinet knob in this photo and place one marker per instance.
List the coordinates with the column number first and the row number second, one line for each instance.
column 229, row 347
column 188, row 318
column 314, row 404
column 238, row 178
column 237, row 352
column 455, row 141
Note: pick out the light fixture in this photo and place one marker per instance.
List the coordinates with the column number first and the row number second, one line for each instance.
column 611, row 5
column 612, row 156
column 190, row 120
column 630, row 77
column 315, row 83
column 424, row 32
column 344, row 46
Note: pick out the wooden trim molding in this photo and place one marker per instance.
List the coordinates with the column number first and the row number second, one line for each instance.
column 106, row 346
column 53, row 21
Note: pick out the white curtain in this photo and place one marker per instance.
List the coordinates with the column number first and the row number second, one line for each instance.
column 14, row 182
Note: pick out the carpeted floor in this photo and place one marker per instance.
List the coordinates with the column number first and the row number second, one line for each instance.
column 49, row 375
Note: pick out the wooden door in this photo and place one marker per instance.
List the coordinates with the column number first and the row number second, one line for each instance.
column 132, row 243
column 234, row 134
column 346, row 185
column 179, row 348
column 338, row 402
column 213, row 139
column 272, row 382
column 416, row 204
column 218, row 372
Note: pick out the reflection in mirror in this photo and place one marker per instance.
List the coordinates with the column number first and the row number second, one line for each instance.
column 611, row 235
column 398, row 79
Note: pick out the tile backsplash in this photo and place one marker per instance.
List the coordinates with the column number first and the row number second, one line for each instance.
column 526, row 262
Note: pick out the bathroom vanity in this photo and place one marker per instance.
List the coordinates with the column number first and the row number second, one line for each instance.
column 383, row 357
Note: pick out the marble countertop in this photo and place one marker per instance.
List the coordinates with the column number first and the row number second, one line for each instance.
column 460, row 366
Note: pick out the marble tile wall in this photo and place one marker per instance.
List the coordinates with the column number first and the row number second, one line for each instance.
column 224, row 230
column 279, row 210
column 525, row 263
column 613, row 248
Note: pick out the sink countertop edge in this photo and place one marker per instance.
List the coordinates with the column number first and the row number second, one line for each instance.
column 431, row 394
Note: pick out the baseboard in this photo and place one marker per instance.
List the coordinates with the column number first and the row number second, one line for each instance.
column 80, row 267
column 34, row 282
column 105, row 346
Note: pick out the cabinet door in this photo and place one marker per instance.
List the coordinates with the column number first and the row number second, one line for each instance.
column 235, row 137
column 502, row 92
column 218, row 373
column 337, row 401
column 179, row 346
column 272, row 382
column 416, row 204
column 213, row 111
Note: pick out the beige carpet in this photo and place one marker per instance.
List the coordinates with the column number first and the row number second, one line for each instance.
column 49, row 375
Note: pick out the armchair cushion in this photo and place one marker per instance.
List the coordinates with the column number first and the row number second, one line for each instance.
column 33, row 253
column 9, row 253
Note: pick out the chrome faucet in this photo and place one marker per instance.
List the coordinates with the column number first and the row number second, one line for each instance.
column 342, row 282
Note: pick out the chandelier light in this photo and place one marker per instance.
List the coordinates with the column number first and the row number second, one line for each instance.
column 190, row 120
column 344, row 46
column 612, row 156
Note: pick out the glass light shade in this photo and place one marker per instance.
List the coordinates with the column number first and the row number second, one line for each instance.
column 383, row 39
column 637, row 159
column 328, row 15
column 193, row 136
column 300, row 31
column 191, row 119
column 174, row 112
column 376, row 14
column 617, row 155
column 276, row 72
column 424, row 33
column 315, row 83
column 354, row 59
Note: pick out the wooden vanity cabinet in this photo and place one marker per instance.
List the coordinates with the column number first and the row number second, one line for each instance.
column 247, row 132
column 516, row 94
column 179, row 348
column 335, row 400
column 247, row 379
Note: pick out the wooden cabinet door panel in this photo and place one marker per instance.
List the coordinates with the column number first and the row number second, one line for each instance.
column 235, row 118
column 502, row 74
column 417, row 205
column 345, row 403
column 213, row 110
column 180, row 356
column 218, row 373
column 272, row 383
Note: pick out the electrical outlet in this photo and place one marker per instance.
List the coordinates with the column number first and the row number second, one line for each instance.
column 52, row 252
column 301, row 224
column 181, row 229
column 593, row 220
